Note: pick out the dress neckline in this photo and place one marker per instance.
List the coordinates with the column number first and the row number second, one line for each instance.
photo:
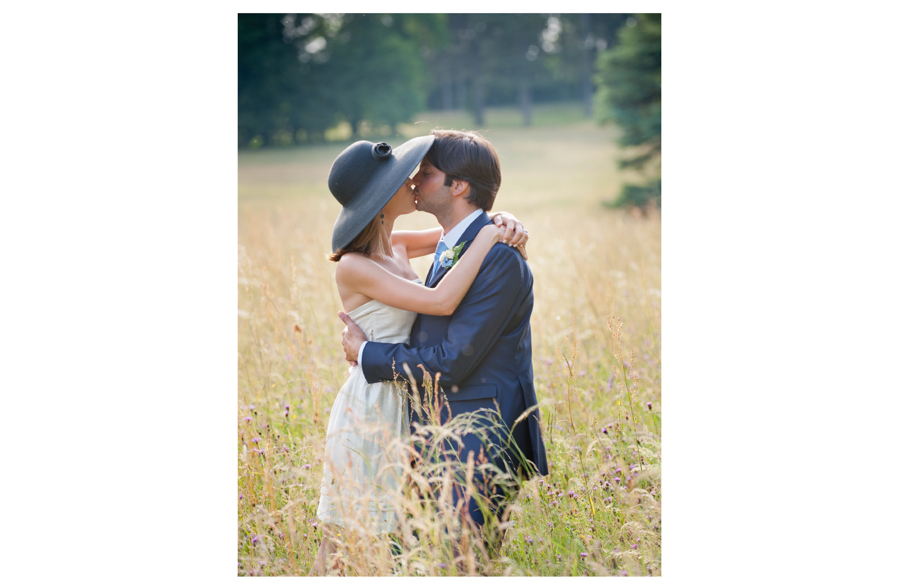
column 352, row 311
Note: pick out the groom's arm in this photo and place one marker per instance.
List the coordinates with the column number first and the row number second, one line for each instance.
column 474, row 328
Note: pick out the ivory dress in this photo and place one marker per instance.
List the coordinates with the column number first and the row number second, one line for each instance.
column 367, row 428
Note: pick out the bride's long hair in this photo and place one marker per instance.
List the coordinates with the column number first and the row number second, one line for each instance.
column 365, row 242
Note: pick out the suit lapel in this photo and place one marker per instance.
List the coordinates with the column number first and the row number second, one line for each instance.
column 468, row 236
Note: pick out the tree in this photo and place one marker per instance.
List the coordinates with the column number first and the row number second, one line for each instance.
column 628, row 76
column 374, row 69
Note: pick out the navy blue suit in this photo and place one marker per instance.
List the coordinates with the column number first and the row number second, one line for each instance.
column 483, row 354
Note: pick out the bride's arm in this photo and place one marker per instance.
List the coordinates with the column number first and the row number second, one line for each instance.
column 357, row 273
column 423, row 242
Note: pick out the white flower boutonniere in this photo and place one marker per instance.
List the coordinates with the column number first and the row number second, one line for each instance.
column 451, row 255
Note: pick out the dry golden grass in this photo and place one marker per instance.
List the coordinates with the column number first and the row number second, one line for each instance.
column 595, row 334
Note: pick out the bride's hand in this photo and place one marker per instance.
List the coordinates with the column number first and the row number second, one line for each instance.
column 515, row 233
column 498, row 233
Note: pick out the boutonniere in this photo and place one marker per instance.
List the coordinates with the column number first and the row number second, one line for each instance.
column 451, row 255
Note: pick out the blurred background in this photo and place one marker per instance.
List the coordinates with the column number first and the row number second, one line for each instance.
column 313, row 79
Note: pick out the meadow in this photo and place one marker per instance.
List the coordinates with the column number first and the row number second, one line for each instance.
column 596, row 354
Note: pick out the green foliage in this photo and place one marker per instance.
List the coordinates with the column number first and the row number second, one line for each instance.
column 630, row 96
column 300, row 75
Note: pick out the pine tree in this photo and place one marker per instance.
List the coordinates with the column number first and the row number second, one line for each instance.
column 628, row 76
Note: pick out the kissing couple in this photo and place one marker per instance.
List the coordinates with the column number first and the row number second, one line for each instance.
column 454, row 348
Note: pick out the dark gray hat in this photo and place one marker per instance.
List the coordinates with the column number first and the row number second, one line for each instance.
column 365, row 177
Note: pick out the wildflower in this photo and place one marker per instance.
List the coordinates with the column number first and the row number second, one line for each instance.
column 617, row 479
column 618, row 470
column 252, row 407
column 608, row 499
column 256, row 440
column 558, row 558
column 442, row 565
column 554, row 503
column 616, row 549
column 529, row 540
column 327, row 409
column 241, row 496
column 248, row 418
column 255, row 539
column 307, row 466
column 604, row 431
column 583, row 554
column 634, row 546
column 550, row 524
column 571, row 494
column 281, row 535
column 623, row 573
column 649, row 406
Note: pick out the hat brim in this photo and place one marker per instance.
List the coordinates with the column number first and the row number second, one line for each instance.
column 378, row 191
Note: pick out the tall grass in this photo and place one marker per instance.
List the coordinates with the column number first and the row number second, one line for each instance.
column 596, row 349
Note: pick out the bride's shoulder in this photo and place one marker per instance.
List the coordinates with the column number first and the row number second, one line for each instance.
column 353, row 265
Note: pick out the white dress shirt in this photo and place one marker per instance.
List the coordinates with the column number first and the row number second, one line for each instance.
column 450, row 239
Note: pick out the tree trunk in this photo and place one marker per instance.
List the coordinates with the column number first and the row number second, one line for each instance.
column 587, row 69
column 477, row 90
column 461, row 92
column 525, row 102
column 446, row 86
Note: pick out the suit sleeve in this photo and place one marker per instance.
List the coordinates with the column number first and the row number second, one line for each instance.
column 474, row 327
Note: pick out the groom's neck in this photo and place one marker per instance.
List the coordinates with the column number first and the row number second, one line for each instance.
column 457, row 215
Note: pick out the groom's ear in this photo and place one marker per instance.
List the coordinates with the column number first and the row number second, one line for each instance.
column 458, row 187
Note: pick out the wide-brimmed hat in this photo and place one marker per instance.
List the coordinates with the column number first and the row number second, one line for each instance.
column 365, row 177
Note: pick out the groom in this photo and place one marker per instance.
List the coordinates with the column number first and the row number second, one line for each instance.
column 483, row 350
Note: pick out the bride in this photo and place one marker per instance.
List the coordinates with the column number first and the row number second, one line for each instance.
column 382, row 294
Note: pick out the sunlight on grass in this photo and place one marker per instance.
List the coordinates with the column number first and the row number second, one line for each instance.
column 596, row 353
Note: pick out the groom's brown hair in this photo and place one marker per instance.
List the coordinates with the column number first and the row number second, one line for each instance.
column 468, row 156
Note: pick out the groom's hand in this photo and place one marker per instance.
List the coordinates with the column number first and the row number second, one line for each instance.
column 351, row 338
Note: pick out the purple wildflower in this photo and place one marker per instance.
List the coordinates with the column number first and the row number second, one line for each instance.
column 307, row 466
column 256, row 440
column 634, row 546
column 240, row 496
column 604, row 431
column 248, row 418
column 529, row 540
column 650, row 405
column 558, row 558
column 252, row 406
column 623, row 573
column 571, row 494
column 583, row 554
column 255, row 539
column 442, row 565
column 554, row 503
column 550, row 524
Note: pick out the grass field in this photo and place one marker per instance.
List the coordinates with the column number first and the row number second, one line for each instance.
column 596, row 344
